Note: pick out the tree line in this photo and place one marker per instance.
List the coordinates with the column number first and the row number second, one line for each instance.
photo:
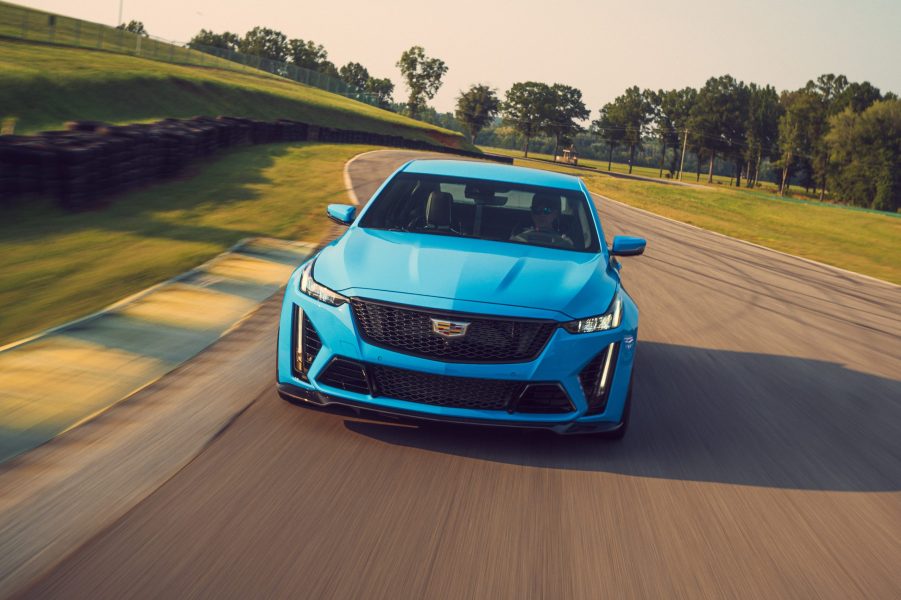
column 422, row 74
column 831, row 134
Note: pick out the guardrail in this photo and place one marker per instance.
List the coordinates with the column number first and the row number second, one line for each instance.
column 91, row 161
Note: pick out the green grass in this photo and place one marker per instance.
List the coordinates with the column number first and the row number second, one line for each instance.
column 764, row 188
column 25, row 23
column 862, row 241
column 58, row 266
column 45, row 85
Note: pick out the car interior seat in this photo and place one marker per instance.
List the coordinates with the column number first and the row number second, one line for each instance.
column 438, row 210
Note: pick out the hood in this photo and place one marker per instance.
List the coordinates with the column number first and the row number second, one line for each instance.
column 573, row 283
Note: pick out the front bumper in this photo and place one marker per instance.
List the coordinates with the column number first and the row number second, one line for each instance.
column 562, row 360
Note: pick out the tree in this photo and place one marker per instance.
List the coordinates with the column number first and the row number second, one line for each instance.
column 381, row 90
column 566, row 107
column 476, row 108
column 134, row 27
column 762, row 128
column 611, row 128
column 718, row 120
column 422, row 75
column 632, row 111
column 526, row 108
column 865, row 151
column 836, row 94
column 798, row 126
column 306, row 54
column 266, row 43
column 328, row 67
column 208, row 39
column 677, row 106
column 354, row 74
column 857, row 96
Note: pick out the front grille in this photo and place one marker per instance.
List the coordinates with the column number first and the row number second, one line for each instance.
column 442, row 390
column 590, row 378
column 487, row 340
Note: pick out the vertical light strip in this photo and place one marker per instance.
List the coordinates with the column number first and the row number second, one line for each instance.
column 602, row 385
column 298, row 339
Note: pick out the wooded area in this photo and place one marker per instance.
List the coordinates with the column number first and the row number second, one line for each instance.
column 835, row 138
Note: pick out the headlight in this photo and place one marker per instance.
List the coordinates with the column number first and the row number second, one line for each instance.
column 312, row 289
column 609, row 320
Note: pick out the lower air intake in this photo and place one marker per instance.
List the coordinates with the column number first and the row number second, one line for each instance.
column 345, row 375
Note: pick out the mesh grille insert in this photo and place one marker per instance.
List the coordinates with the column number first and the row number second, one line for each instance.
column 487, row 339
column 311, row 344
column 346, row 375
column 442, row 390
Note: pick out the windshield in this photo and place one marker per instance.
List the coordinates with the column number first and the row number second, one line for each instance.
column 488, row 210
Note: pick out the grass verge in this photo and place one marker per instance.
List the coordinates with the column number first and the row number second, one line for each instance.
column 58, row 266
column 763, row 189
column 44, row 85
column 865, row 242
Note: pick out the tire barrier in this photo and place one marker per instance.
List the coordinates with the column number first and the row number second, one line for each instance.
column 90, row 161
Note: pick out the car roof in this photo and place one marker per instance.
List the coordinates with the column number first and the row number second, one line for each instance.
column 492, row 172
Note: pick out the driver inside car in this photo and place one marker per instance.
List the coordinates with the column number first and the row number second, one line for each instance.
column 545, row 223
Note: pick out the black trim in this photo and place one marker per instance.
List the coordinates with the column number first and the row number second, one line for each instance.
column 338, row 221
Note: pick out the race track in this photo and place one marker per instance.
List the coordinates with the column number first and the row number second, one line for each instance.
column 764, row 460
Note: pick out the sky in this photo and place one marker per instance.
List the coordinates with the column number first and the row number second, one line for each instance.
column 600, row 47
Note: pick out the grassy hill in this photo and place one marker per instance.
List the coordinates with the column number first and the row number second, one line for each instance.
column 44, row 85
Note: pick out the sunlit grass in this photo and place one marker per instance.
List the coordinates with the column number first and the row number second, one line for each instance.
column 866, row 242
column 57, row 266
column 44, row 85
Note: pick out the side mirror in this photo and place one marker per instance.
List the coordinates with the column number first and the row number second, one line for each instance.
column 625, row 245
column 342, row 214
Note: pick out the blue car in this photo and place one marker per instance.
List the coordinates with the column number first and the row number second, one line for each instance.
column 468, row 292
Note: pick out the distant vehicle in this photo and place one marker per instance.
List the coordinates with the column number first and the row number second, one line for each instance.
column 569, row 156
column 469, row 292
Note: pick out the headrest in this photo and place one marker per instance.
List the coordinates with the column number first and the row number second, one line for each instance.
column 438, row 209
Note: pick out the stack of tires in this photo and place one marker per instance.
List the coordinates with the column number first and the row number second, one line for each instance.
column 91, row 161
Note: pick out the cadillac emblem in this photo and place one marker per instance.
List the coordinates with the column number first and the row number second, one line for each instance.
column 449, row 329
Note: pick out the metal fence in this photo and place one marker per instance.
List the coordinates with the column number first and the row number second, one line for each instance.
column 23, row 23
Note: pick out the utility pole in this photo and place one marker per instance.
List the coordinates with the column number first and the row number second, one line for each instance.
column 120, row 12
column 684, row 146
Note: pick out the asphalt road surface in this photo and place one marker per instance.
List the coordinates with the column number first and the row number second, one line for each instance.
column 764, row 460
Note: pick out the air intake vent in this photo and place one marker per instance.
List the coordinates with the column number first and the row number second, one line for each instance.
column 444, row 390
column 545, row 398
column 311, row 343
column 345, row 375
